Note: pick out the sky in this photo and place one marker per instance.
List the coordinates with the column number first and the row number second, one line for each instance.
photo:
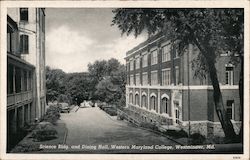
column 77, row 37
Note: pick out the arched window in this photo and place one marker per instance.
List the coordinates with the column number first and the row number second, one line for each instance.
column 144, row 101
column 164, row 104
column 153, row 102
column 131, row 98
column 137, row 99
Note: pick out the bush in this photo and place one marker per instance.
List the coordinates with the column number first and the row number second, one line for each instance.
column 52, row 114
column 149, row 126
column 111, row 111
column 176, row 134
column 44, row 131
column 197, row 138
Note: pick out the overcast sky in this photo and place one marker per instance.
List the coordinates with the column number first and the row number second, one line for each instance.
column 76, row 37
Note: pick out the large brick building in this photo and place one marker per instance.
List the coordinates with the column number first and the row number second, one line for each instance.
column 26, row 69
column 162, row 89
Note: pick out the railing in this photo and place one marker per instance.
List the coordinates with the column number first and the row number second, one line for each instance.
column 128, row 117
column 18, row 97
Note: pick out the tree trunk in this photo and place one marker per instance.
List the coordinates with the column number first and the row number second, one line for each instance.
column 226, row 124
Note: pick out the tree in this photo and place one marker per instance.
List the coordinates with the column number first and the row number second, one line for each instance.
column 108, row 77
column 204, row 28
column 54, row 83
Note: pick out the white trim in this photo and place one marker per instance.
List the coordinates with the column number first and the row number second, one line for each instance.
column 180, row 87
column 165, row 96
column 145, row 46
column 166, row 69
column 143, row 53
column 136, row 92
column 144, row 94
column 152, row 95
column 168, row 42
column 131, row 91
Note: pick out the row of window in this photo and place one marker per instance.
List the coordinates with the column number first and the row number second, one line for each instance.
column 166, row 56
column 166, row 77
column 165, row 107
column 165, row 104
column 18, row 80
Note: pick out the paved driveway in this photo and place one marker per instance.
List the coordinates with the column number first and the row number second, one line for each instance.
column 96, row 132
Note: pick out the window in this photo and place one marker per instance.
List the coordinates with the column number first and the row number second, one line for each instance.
column 144, row 101
column 229, row 75
column 131, row 80
column 177, row 75
column 154, row 78
column 127, row 67
column 177, row 51
column 9, row 39
column 131, row 65
column 165, row 107
column 230, row 109
column 154, row 57
column 177, row 116
column 153, row 103
column 137, row 99
column 131, row 98
column 166, row 53
column 29, row 80
column 137, row 79
column 166, row 79
column 24, row 44
column 137, row 63
column 24, row 14
column 18, row 79
column 25, row 80
column 145, row 78
column 145, row 60
column 10, row 79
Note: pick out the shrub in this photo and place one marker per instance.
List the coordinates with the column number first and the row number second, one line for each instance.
column 149, row 126
column 176, row 134
column 111, row 111
column 52, row 114
column 197, row 138
column 44, row 131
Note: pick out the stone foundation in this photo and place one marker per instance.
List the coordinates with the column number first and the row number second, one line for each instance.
column 206, row 128
column 209, row 129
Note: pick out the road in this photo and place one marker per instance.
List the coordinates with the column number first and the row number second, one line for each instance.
column 91, row 130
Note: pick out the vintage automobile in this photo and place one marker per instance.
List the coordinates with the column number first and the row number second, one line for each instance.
column 64, row 107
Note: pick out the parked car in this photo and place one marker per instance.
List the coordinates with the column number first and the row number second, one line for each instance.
column 64, row 107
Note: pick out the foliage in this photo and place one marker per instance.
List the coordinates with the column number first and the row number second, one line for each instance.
column 210, row 30
column 197, row 138
column 111, row 111
column 54, row 83
column 148, row 125
column 52, row 114
column 176, row 133
column 108, row 77
column 44, row 132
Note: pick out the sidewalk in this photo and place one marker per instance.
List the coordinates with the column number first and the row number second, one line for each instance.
column 29, row 145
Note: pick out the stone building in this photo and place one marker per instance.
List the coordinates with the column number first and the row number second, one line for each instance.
column 162, row 89
column 26, row 69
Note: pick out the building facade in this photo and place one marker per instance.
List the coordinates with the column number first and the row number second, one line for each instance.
column 162, row 88
column 26, row 68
